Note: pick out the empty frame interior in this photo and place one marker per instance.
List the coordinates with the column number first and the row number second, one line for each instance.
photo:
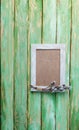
column 47, row 66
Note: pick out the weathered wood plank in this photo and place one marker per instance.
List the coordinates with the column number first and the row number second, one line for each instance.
column 49, row 36
column 74, row 95
column 7, row 14
column 34, row 36
column 20, row 105
column 63, row 36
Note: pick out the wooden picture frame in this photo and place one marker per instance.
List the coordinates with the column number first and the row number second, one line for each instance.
column 60, row 50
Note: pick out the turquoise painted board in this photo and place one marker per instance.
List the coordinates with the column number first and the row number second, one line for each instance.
column 74, row 94
column 7, row 53
column 63, row 36
column 20, row 65
column 34, row 36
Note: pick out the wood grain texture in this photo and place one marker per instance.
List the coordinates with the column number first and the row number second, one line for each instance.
column 34, row 36
column 20, row 105
column 49, row 36
column 63, row 36
column 74, row 95
column 7, row 14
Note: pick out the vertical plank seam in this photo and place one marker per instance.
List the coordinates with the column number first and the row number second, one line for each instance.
column 70, row 45
column 14, row 74
column 70, row 67
column 70, row 11
column 28, row 37
column 56, row 22
column 56, row 43
column 0, row 66
column 27, row 67
column 42, row 24
column 12, row 47
column 41, row 43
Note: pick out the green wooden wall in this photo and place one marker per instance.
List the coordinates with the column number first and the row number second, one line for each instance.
column 24, row 22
